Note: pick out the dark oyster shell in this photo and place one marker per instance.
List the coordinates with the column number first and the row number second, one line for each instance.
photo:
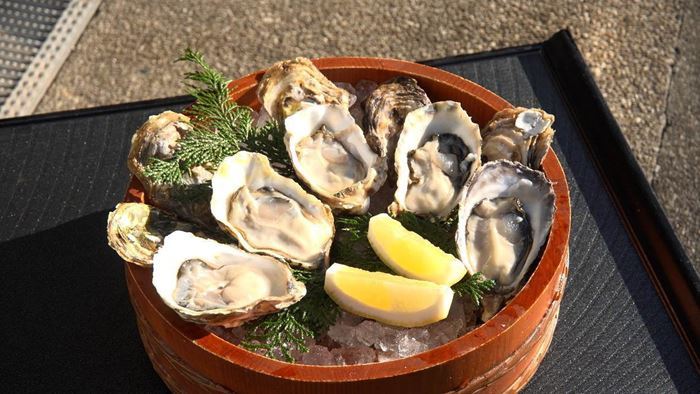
column 385, row 111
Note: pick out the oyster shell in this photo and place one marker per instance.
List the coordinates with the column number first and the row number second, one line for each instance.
column 136, row 231
column 386, row 109
column 212, row 283
column 290, row 84
column 158, row 138
column 362, row 89
column 269, row 213
column 438, row 150
column 504, row 219
column 329, row 153
column 518, row 134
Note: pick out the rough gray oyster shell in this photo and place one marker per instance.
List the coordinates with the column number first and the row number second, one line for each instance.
column 290, row 84
column 518, row 134
column 158, row 139
column 385, row 111
column 136, row 231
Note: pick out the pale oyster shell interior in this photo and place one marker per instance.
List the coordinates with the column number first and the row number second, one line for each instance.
column 329, row 153
column 504, row 219
column 212, row 283
column 518, row 134
column 289, row 85
column 271, row 214
column 438, row 150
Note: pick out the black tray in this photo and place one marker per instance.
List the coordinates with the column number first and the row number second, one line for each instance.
column 72, row 327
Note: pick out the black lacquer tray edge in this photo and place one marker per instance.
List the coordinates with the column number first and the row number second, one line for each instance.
column 664, row 259
column 93, row 111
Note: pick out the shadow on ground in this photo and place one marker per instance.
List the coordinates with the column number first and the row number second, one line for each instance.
column 73, row 327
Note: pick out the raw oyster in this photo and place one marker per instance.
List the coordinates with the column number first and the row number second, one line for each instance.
column 290, row 84
column 329, row 153
column 385, row 110
column 518, row 134
column 136, row 231
column 158, row 139
column 212, row 283
column 269, row 213
column 504, row 219
column 438, row 150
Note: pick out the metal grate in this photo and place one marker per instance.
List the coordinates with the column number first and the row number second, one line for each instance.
column 36, row 37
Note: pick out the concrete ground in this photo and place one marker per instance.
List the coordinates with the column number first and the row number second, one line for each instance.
column 643, row 56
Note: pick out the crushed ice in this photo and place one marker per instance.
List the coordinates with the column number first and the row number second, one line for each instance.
column 356, row 340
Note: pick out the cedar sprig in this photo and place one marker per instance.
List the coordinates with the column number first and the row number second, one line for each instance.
column 317, row 310
column 194, row 192
column 213, row 109
column 164, row 171
column 221, row 128
column 278, row 335
column 439, row 231
column 284, row 333
column 220, row 124
column 475, row 286
column 351, row 246
column 268, row 139
column 203, row 147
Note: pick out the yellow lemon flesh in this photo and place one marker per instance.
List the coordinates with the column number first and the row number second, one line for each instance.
column 411, row 255
column 387, row 298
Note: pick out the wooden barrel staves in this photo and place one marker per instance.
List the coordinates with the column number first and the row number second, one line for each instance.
column 498, row 356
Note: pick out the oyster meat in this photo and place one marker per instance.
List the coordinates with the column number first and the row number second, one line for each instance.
column 329, row 153
column 518, row 134
column 438, row 150
column 269, row 213
column 136, row 231
column 504, row 219
column 157, row 139
column 289, row 85
column 386, row 109
column 212, row 283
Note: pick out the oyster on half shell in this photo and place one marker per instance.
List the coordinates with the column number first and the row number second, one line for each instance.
column 271, row 214
column 504, row 219
column 158, row 139
column 518, row 134
column 289, row 85
column 438, row 150
column 212, row 283
column 329, row 153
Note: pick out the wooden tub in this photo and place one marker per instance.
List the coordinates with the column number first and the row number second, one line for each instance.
column 499, row 356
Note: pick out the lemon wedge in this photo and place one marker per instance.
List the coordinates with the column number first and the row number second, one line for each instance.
column 387, row 298
column 411, row 255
